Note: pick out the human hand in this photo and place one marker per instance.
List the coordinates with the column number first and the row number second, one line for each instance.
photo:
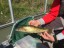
column 34, row 22
column 47, row 36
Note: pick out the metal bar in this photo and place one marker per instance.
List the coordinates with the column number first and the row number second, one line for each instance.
column 5, row 24
column 11, row 11
column 45, row 6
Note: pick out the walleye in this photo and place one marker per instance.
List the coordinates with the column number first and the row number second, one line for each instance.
column 31, row 29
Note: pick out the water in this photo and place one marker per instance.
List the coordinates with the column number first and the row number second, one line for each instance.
column 4, row 32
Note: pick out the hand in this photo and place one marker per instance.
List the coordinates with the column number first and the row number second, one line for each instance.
column 47, row 36
column 34, row 22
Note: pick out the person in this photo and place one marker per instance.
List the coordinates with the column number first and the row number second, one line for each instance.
column 48, row 18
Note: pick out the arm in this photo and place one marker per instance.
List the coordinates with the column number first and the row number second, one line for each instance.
column 48, row 17
column 52, row 14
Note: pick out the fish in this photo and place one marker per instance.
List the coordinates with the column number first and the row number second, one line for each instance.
column 31, row 29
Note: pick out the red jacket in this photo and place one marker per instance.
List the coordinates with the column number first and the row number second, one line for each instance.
column 54, row 11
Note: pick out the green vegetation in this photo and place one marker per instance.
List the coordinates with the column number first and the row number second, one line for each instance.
column 21, row 8
column 26, row 7
column 4, row 12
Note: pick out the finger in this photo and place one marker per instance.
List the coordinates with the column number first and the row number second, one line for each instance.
column 44, row 36
column 40, row 34
column 31, row 22
column 36, row 25
column 47, row 34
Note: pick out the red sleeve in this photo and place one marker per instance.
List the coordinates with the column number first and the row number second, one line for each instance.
column 53, row 12
column 63, row 32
